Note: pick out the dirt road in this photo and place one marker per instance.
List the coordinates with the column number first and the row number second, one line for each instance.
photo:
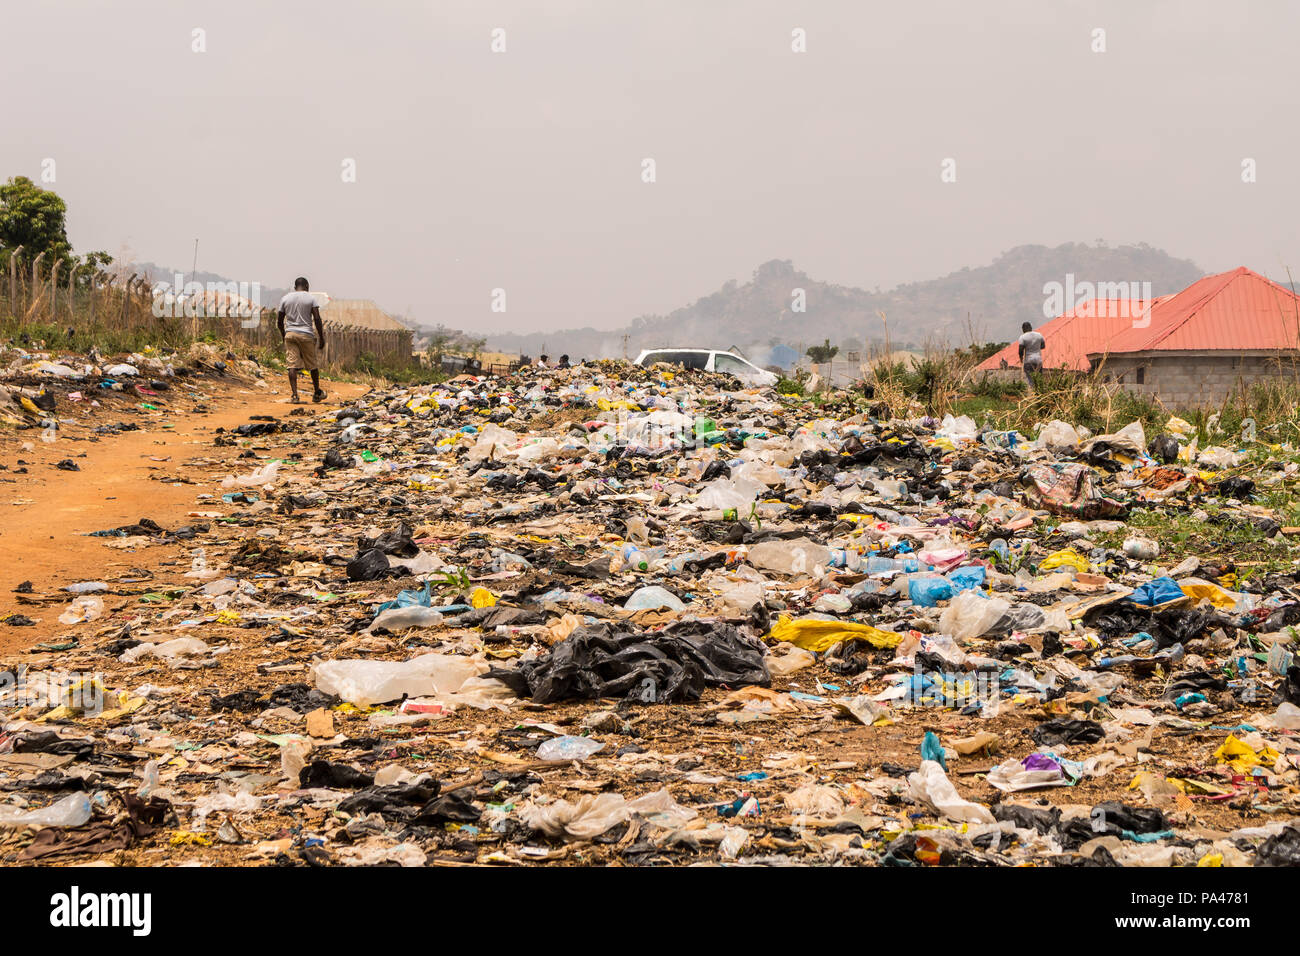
column 46, row 513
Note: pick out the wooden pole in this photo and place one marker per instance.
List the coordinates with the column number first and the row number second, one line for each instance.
column 126, row 300
column 72, row 292
column 35, row 293
column 13, row 282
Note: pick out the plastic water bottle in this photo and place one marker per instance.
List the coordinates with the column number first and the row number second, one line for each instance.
column 633, row 558
column 678, row 564
column 568, row 748
column 87, row 587
column 845, row 558
column 401, row 618
column 877, row 564
column 1279, row 659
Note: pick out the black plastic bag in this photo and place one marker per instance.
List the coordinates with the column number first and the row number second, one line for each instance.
column 48, row 742
column 401, row 800
column 1192, row 681
column 1280, row 850
column 667, row 666
column 1066, row 731
column 396, row 542
column 300, row 697
column 368, row 566
column 336, row 458
column 1236, row 487
column 1115, row 816
column 1027, row 818
column 338, row 776
column 1289, row 689
column 241, row 700
column 1163, row 448
column 1168, row 626
column 448, row 808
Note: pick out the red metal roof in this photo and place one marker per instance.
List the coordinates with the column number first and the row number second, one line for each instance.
column 1089, row 327
column 1234, row 311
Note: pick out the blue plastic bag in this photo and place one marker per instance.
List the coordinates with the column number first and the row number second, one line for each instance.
column 927, row 592
column 968, row 578
column 931, row 749
column 1154, row 593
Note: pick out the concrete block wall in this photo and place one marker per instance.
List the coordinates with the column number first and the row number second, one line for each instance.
column 1194, row 381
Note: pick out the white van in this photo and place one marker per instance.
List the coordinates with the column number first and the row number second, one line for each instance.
column 709, row 360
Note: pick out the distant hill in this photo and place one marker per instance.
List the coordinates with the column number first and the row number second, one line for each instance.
column 757, row 315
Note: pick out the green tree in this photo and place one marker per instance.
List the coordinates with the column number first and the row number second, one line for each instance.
column 821, row 354
column 36, row 219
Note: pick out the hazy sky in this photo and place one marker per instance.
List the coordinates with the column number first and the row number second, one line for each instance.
column 522, row 170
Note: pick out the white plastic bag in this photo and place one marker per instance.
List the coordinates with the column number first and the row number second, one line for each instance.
column 959, row 429
column 723, row 493
column 81, row 610
column 493, row 441
column 653, row 597
column 366, row 683
column 255, row 479
column 71, row 811
column 590, row 816
column 969, row 615
column 815, row 801
column 1058, row 434
column 797, row 556
column 180, row 647
column 931, row 787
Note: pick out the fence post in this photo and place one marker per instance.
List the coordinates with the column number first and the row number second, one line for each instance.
column 13, row 282
column 94, row 277
column 36, row 291
column 54, row 290
column 72, row 291
column 146, row 313
column 126, row 299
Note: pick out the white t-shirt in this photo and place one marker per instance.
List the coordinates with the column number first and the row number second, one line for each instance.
column 297, row 308
column 1034, row 344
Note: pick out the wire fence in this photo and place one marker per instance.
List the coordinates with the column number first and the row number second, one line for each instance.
column 94, row 301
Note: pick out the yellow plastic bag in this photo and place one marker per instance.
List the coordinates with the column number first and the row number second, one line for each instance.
column 1212, row 592
column 1241, row 758
column 482, row 597
column 818, row 636
column 1065, row 558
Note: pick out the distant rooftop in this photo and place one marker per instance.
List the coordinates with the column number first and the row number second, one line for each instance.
column 359, row 313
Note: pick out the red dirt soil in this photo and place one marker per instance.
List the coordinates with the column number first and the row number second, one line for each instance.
column 45, row 515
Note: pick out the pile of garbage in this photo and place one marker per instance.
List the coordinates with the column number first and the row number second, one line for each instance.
column 645, row 616
column 40, row 389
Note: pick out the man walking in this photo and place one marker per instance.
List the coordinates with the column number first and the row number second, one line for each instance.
column 1031, row 353
column 302, row 343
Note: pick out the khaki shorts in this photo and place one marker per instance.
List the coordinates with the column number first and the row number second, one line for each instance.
column 300, row 351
